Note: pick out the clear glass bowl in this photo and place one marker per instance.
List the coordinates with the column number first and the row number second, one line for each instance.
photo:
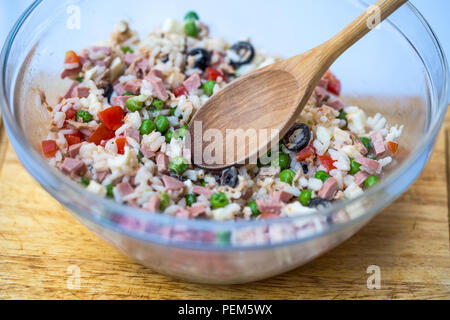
column 398, row 70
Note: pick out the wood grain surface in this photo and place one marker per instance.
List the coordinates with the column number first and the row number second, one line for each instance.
column 409, row 241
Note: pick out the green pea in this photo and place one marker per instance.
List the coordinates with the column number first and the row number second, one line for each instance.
column 147, row 127
column 191, row 199
column 203, row 183
column 355, row 167
column 305, row 197
column 254, row 207
column 342, row 115
column 219, row 200
column 282, row 160
column 134, row 104
column 86, row 116
column 80, row 79
column 165, row 201
column 109, row 190
column 85, row 182
column 182, row 132
column 190, row 28
column 128, row 94
column 158, row 104
column 191, row 15
column 367, row 143
column 162, row 124
column 169, row 135
column 322, row 175
column 127, row 49
column 208, row 88
column 223, row 238
column 371, row 181
column 179, row 165
column 287, row 176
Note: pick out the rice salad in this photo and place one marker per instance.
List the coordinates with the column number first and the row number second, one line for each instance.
column 120, row 130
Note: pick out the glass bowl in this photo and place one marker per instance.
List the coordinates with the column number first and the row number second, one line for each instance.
column 398, row 69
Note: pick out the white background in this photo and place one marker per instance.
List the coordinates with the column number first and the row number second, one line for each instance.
column 437, row 12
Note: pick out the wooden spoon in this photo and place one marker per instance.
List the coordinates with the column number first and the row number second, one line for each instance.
column 270, row 98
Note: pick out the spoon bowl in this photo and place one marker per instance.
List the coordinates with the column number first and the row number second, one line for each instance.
column 251, row 115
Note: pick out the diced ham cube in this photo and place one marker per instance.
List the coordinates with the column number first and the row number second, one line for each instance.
column 149, row 154
column 133, row 134
column 321, row 95
column 70, row 73
column 125, row 189
column 329, row 189
column 120, row 89
column 335, row 104
column 192, row 83
column 101, row 175
column 323, row 83
column 153, row 204
column 378, row 143
column 69, row 92
column 368, row 163
column 158, row 88
column 80, row 92
column 162, row 162
column 120, row 101
column 182, row 213
column 270, row 206
column 133, row 86
column 282, row 196
column 107, row 51
column 142, row 66
column 130, row 58
column 172, row 183
column 207, row 193
column 74, row 167
column 361, row 177
column 197, row 210
column 74, row 150
column 157, row 73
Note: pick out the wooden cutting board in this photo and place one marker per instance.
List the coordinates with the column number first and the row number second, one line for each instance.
column 40, row 241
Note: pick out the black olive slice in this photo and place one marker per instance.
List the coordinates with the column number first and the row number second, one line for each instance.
column 297, row 138
column 108, row 91
column 319, row 203
column 305, row 168
column 230, row 177
column 203, row 58
column 245, row 51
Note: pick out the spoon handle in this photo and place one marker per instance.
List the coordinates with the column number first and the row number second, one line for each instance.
column 361, row 26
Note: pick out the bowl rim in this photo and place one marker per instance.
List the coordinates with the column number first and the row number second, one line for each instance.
column 44, row 174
